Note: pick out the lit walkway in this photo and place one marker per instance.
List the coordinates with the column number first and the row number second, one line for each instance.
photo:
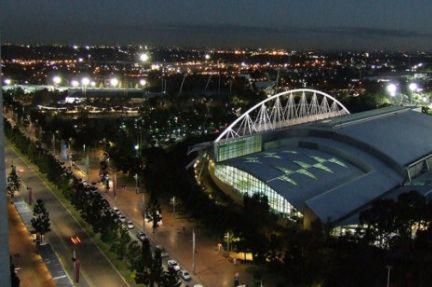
column 32, row 271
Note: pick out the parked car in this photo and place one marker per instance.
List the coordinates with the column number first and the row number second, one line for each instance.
column 122, row 218
column 185, row 275
column 130, row 225
column 173, row 264
column 116, row 210
column 198, row 285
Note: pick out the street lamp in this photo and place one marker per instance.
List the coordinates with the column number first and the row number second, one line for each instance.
column 144, row 57
column 136, row 147
column 8, row 81
column 114, row 82
column 143, row 83
column 85, row 82
column 75, row 83
column 391, row 89
column 57, row 80
column 207, row 56
column 413, row 87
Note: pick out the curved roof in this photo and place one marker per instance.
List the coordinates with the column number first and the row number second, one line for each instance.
column 337, row 166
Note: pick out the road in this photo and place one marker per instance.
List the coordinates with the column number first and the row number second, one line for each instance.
column 96, row 269
column 32, row 271
column 212, row 269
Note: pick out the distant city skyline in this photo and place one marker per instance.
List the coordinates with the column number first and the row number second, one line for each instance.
column 303, row 25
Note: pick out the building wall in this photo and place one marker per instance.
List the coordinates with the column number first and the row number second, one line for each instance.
column 242, row 182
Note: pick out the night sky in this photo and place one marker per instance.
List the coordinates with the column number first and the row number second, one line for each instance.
column 301, row 24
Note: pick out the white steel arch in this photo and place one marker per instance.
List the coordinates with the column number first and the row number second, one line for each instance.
column 284, row 109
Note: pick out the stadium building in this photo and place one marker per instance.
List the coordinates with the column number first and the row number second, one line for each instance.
column 312, row 158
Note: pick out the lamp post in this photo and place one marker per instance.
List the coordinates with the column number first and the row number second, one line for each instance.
column 144, row 57
column 389, row 267
column 85, row 82
column 413, row 88
column 173, row 202
column 136, row 147
column 114, row 82
column 75, row 242
column 193, row 251
column 391, row 89
column 74, row 83
column 57, row 80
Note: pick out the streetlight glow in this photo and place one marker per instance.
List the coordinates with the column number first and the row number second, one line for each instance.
column 136, row 147
column 114, row 82
column 8, row 81
column 391, row 89
column 144, row 57
column 75, row 83
column 85, row 81
column 413, row 87
column 57, row 80
column 207, row 56
column 143, row 82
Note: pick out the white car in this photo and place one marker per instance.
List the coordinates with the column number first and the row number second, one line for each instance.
column 122, row 218
column 116, row 210
column 185, row 275
column 198, row 285
column 173, row 264
column 130, row 225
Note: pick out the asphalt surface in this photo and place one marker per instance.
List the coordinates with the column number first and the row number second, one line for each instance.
column 96, row 269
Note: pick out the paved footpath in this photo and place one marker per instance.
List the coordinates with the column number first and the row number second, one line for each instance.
column 32, row 271
column 96, row 269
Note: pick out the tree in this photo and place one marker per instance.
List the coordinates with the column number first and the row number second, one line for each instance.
column 170, row 278
column 155, row 211
column 156, row 271
column 40, row 221
column 13, row 182
column 122, row 244
column 143, row 269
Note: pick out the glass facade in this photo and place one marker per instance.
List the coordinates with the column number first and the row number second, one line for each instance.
column 245, row 183
column 238, row 147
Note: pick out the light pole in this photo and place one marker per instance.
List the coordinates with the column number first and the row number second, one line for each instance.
column 389, row 267
column 74, row 83
column 193, row 250
column 85, row 82
column 114, row 82
column 173, row 202
column 57, row 80
column 75, row 241
column 136, row 147
column 413, row 88
column 143, row 83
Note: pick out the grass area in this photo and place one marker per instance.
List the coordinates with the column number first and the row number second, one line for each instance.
column 119, row 264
